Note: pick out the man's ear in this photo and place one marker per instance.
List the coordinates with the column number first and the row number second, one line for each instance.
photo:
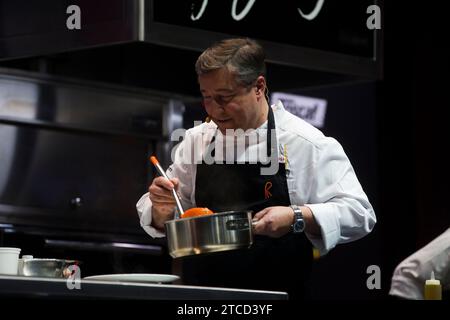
column 260, row 86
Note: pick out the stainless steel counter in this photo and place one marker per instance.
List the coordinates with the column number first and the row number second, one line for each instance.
column 30, row 287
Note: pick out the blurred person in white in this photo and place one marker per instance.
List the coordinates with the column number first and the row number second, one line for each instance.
column 410, row 275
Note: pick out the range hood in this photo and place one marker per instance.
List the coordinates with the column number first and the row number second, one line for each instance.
column 334, row 46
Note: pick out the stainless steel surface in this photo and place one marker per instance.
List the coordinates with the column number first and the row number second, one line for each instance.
column 69, row 148
column 73, row 163
column 116, row 22
column 64, row 104
column 48, row 268
column 212, row 233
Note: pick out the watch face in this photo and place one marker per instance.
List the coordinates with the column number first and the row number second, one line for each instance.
column 299, row 226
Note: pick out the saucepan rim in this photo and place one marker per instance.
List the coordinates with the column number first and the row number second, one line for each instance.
column 209, row 216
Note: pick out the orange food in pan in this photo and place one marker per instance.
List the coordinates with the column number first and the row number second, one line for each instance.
column 196, row 212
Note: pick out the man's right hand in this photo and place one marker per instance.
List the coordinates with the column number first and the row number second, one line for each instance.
column 163, row 203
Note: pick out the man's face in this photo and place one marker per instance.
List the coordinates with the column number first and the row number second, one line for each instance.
column 229, row 105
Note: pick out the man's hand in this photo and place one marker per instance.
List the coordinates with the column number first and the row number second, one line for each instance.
column 274, row 221
column 163, row 203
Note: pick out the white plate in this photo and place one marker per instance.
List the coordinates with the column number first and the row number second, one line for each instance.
column 135, row 277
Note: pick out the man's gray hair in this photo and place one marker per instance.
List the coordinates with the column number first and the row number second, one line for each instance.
column 242, row 57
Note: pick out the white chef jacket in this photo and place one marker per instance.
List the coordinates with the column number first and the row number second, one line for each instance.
column 409, row 277
column 319, row 175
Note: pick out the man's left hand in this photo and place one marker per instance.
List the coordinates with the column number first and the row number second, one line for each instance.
column 273, row 221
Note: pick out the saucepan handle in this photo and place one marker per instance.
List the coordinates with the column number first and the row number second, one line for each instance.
column 237, row 225
column 240, row 224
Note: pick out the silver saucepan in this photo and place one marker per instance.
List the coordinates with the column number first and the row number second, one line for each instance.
column 210, row 233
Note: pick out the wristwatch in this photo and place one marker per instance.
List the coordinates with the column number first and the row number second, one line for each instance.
column 299, row 224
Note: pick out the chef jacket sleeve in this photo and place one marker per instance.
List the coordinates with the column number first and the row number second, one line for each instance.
column 410, row 275
column 181, row 169
column 337, row 200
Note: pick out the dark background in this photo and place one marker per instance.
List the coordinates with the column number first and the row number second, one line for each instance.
column 412, row 121
column 337, row 28
column 393, row 129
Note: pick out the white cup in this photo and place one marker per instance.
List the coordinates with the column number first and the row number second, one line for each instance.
column 9, row 260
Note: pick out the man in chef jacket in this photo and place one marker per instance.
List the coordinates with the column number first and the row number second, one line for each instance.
column 299, row 183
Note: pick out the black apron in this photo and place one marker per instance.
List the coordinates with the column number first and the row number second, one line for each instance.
column 279, row 264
